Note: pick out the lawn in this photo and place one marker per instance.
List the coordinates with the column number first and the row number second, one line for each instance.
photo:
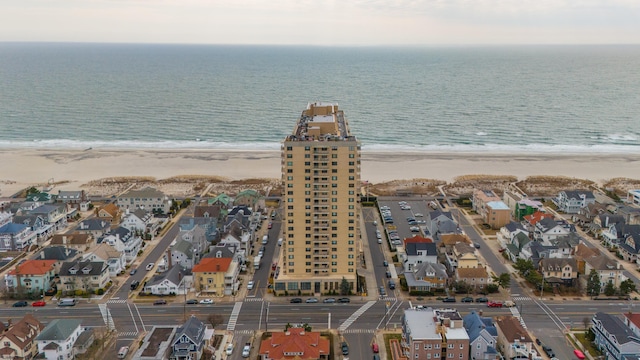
column 588, row 345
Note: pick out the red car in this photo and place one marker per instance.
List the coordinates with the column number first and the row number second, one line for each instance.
column 270, row 225
column 38, row 303
column 494, row 304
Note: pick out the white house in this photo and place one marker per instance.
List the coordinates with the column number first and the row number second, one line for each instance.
column 571, row 201
column 174, row 281
column 108, row 254
column 137, row 220
column 549, row 229
column 57, row 339
column 123, row 240
column 417, row 252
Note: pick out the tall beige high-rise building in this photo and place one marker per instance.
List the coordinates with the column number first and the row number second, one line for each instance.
column 321, row 209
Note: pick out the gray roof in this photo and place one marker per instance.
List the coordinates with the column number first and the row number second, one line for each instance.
column 93, row 224
column 184, row 247
column 175, row 275
column 45, row 209
column 570, row 240
column 240, row 209
column 615, row 327
column 84, row 337
column 436, row 268
column 55, row 253
column 145, row 193
column 603, row 262
column 576, row 194
column 58, row 329
column 223, row 248
column 514, row 226
column 412, row 248
column 93, row 267
column 609, row 219
column 193, row 329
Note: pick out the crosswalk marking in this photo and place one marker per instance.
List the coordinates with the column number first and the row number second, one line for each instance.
column 521, row 298
column 388, row 298
column 359, row 331
column 244, row 332
column 115, row 301
column 128, row 334
column 233, row 319
column 106, row 316
column 355, row 315
column 253, row 299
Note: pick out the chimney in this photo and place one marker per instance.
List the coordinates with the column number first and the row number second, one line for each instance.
column 9, row 323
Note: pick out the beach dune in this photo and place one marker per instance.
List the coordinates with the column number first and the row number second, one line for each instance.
column 26, row 167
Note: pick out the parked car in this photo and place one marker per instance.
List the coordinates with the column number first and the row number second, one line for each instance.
column 246, row 350
column 414, row 229
column 388, row 274
column 134, row 284
column 418, row 215
column 191, row 302
column 329, row 300
column 467, row 299
column 133, row 271
column 311, row 300
column 150, row 266
column 476, row 245
column 295, row 300
column 206, row 301
column 38, row 303
column 21, row 303
column 495, row 304
column 382, row 291
column 344, row 300
column 345, row 348
column 229, row 349
column 538, row 342
column 270, row 225
column 160, row 302
column 549, row 351
column 449, row 299
column 385, row 263
column 375, row 348
column 250, row 285
column 482, row 300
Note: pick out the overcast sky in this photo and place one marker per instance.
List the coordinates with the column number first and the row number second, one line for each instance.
column 323, row 22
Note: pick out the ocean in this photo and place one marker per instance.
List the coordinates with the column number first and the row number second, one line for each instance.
column 504, row 99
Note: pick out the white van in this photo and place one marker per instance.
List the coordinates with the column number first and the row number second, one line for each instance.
column 122, row 353
column 265, row 239
column 67, row 302
column 280, row 242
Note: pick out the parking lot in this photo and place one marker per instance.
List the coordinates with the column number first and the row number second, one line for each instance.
column 404, row 218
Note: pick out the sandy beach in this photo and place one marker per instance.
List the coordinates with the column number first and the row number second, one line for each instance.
column 25, row 167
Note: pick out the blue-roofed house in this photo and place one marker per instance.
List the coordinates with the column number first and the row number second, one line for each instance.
column 483, row 337
column 54, row 215
column 189, row 340
column 37, row 224
column 16, row 237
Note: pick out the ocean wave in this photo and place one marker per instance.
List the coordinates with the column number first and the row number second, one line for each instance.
column 196, row 144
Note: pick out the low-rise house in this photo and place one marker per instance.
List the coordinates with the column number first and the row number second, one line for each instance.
column 439, row 223
column 513, row 339
column 56, row 341
column 434, row 334
column 94, row 227
column 109, row 212
column 182, row 253
column 37, row 224
column 483, row 337
column 518, row 243
column 633, row 197
column 54, row 215
column 571, row 201
column 209, row 224
column 59, row 254
column 31, row 277
column 224, row 250
column 208, row 211
column 17, row 341
column 77, row 241
column 217, row 276
column 530, row 221
column 613, row 337
column 480, row 200
column 476, row 277
column 609, row 270
column 41, row 198
column 561, row 271
column 632, row 320
column 427, row 276
column 189, row 340
column 74, row 199
column 84, row 341
column 295, row 343
column 249, row 198
column 82, row 277
column 123, row 240
column 138, row 220
column 16, row 237
column 417, row 252
column 526, row 207
column 196, row 236
column 631, row 214
column 548, row 229
column 464, row 256
column 510, row 230
column 175, row 281
column 588, row 214
column 147, row 198
column 223, row 200
column 112, row 257
column 629, row 245
column 607, row 226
